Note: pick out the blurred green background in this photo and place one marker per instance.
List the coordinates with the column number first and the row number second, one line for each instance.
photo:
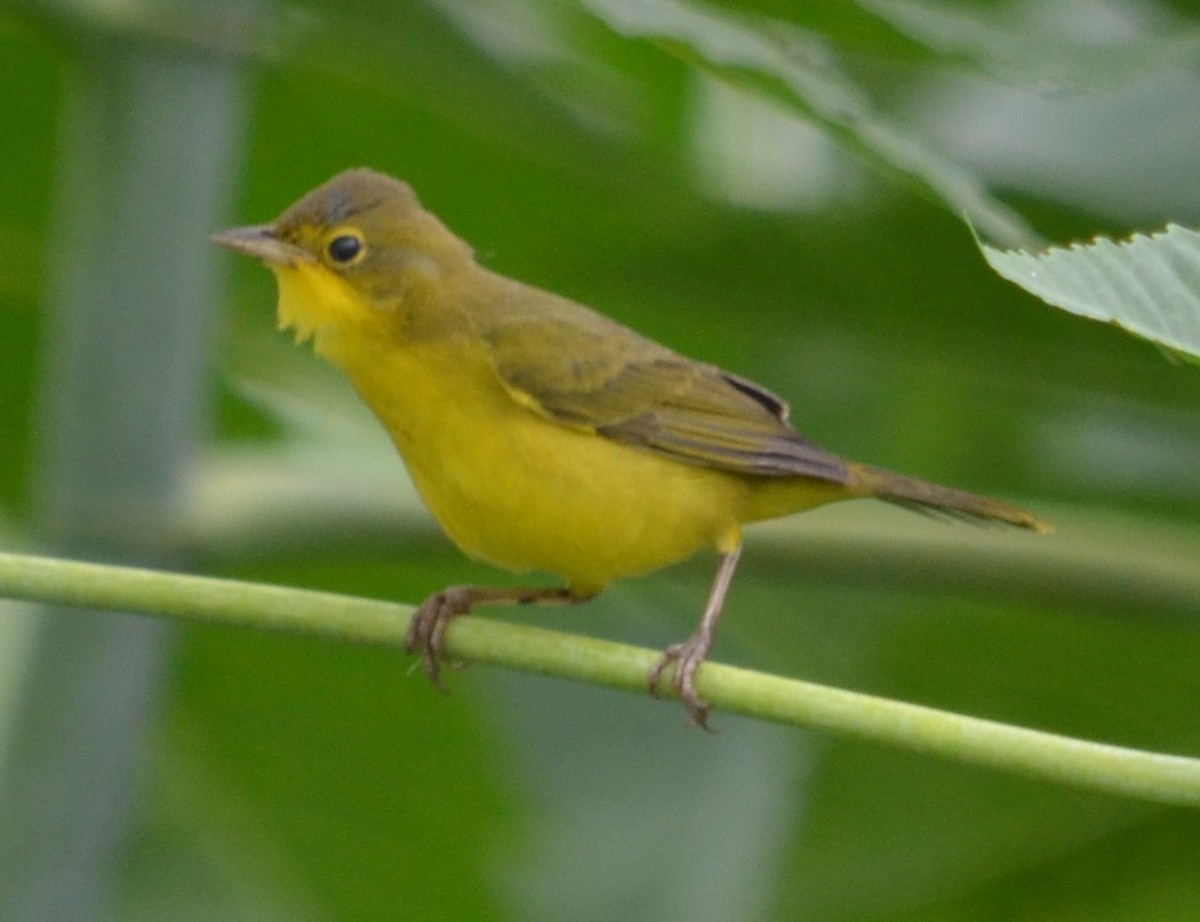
column 150, row 412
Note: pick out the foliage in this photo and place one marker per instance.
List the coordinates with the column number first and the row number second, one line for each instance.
column 1149, row 285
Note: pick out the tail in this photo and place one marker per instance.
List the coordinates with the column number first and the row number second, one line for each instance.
column 922, row 496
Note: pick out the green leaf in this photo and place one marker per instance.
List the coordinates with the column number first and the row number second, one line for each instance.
column 1148, row 285
column 798, row 69
column 1030, row 48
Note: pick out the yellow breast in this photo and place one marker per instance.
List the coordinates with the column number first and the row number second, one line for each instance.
column 505, row 483
column 523, row 492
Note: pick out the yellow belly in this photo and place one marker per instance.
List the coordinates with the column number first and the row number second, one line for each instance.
column 518, row 490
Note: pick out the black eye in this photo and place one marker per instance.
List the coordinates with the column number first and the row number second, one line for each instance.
column 343, row 249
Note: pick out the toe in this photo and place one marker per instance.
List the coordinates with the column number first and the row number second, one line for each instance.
column 654, row 676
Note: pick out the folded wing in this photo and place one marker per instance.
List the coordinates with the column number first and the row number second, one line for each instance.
column 594, row 374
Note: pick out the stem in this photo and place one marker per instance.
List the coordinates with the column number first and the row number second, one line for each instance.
column 1113, row 769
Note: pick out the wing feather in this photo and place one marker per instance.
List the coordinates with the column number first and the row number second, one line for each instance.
column 591, row 372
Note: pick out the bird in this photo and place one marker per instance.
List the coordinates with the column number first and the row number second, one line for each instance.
column 543, row 435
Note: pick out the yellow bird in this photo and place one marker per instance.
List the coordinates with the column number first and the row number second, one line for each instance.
column 541, row 434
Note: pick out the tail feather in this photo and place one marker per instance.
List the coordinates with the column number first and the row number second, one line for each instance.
column 922, row 496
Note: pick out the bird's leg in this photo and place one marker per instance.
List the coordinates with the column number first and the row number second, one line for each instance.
column 427, row 629
column 688, row 655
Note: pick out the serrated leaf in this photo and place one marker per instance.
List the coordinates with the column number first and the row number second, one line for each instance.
column 1148, row 285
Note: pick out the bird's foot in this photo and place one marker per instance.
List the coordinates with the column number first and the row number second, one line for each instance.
column 687, row 657
column 427, row 629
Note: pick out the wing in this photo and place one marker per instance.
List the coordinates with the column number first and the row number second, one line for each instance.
column 594, row 374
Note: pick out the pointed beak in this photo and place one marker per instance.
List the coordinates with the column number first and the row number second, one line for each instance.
column 261, row 243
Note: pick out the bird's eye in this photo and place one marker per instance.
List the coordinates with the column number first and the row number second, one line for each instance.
column 345, row 248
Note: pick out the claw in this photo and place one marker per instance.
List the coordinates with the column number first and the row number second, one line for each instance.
column 687, row 657
column 427, row 629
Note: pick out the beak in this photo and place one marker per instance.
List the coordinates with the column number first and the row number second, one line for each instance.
column 261, row 243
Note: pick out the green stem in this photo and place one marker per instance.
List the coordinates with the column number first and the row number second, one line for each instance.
column 1114, row 769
